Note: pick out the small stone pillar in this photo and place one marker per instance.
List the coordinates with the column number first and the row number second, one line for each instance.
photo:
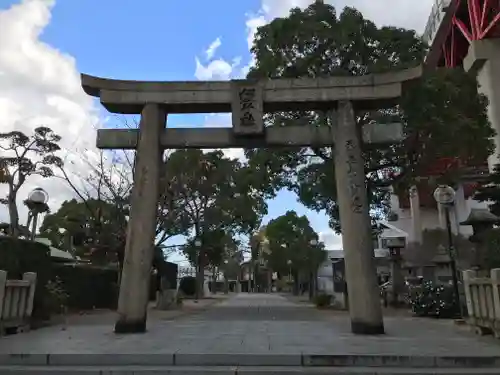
column 134, row 286
column 398, row 280
column 483, row 59
column 361, row 276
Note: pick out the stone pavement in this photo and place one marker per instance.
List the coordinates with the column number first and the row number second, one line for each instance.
column 102, row 317
column 256, row 324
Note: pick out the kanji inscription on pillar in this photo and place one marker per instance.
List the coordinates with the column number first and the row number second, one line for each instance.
column 246, row 105
column 354, row 187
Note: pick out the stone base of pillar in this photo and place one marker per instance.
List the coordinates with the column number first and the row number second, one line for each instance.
column 362, row 328
column 126, row 326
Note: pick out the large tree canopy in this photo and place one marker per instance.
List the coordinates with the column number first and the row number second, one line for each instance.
column 443, row 116
column 293, row 243
column 218, row 198
column 214, row 192
column 489, row 191
column 75, row 225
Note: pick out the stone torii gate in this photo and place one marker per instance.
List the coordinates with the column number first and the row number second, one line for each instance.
column 248, row 101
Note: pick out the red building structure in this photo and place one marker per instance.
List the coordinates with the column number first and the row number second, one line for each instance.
column 455, row 24
column 452, row 27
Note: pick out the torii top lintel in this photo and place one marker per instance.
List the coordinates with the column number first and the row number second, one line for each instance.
column 283, row 94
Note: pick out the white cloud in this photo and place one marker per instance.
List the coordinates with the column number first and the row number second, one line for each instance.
column 404, row 13
column 332, row 240
column 210, row 52
column 40, row 85
column 409, row 14
column 218, row 69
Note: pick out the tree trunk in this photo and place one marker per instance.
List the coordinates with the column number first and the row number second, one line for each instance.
column 295, row 283
column 226, row 285
column 13, row 215
column 311, row 285
column 214, row 280
column 200, row 276
column 315, row 290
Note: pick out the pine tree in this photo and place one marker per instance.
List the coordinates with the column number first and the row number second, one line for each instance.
column 489, row 191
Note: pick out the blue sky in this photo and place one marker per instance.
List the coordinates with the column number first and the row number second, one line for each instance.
column 160, row 40
column 44, row 44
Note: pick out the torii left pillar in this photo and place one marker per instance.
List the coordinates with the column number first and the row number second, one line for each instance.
column 141, row 229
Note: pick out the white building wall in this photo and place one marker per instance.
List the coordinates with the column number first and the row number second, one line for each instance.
column 433, row 218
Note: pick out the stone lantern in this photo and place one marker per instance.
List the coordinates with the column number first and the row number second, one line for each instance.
column 481, row 220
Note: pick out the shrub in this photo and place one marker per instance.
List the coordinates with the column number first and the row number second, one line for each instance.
column 434, row 300
column 323, row 300
column 88, row 286
column 188, row 285
column 57, row 298
column 19, row 256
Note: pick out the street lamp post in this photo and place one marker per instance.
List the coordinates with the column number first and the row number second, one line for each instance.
column 445, row 196
column 37, row 203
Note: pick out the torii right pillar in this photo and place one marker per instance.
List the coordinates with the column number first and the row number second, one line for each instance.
column 483, row 59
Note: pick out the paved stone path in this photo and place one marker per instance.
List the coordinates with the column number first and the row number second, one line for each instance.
column 257, row 324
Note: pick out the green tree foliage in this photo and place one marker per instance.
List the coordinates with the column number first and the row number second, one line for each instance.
column 93, row 229
column 23, row 156
column 216, row 246
column 217, row 198
column 103, row 208
column 490, row 250
column 488, row 243
column 87, row 225
column 489, row 191
column 443, row 116
column 215, row 191
column 293, row 243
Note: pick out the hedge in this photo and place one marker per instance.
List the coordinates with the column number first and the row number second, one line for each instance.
column 19, row 256
column 187, row 285
column 88, row 286
column 170, row 270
